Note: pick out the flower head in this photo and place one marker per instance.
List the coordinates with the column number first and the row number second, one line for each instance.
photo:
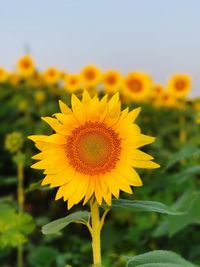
column 179, row 85
column 157, row 94
column 72, row 82
column 168, row 101
column 112, row 81
column 90, row 76
column 39, row 96
column 13, row 142
column 93, row 151
column 3, row 75
column 51, row 75
column 25, row 66
column 137, row 86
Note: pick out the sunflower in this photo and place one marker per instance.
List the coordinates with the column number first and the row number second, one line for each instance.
column 158, row 89
column 51, row 75
column 14, row 78
column 93, row 151
column 25, row 66
column 179, row 85
column 168, row 101
column 90, row 76
column 39, row 96
column 137, row 86
column 156, row 94
column 3, row 75
column 72, row 82
column 112, row 81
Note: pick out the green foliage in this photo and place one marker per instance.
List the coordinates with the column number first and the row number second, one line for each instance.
column 14, row 227
column 43, row 256
column 189, row 204
column 148, row 206
column 184, row 153
column 158, row 258
column 127, row 231
column 57, row 225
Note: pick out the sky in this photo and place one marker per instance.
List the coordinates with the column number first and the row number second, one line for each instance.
column 160, row 37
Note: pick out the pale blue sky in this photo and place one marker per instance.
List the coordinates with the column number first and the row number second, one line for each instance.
column 157, row 36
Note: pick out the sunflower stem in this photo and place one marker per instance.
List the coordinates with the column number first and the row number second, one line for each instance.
column 20, row 196
column 182, row 132
column 103, row 218
column 96, row 232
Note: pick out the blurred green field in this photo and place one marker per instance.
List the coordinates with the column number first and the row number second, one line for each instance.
column 176, row 183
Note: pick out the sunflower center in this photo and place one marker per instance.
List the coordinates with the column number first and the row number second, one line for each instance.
column 26, row 64
column 90, row 75
column 52, row 73
column 158, row 89
column 135, row 85
column 93, row 148
column 180, row 85
column 111, row 80
column 73, row 81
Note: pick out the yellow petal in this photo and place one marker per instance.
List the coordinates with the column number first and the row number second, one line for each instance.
column 146, row 164
column 112, row 185
column 105, row 191
column 138, row 141
column 53, row 123
column 97, row 191
column 90, row 190
column 132, row 116
column 54, row 138
column 64, row 108
column 103, row 108
column 134, row 154
column 129, row 173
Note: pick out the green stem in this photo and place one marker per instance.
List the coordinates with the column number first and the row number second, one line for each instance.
column 20, row 196
column 96, row 232
column 182, row 132
column 20, row 189
column 20, row 256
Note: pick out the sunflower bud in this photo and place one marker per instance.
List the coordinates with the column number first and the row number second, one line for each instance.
column 14, row 142
column 39, row 97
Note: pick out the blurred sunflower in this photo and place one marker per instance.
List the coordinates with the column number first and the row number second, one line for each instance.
column 72, row 82
column 158, row 89
column 36, row 80
column 137, row 86
column 156, row 94
column 90, row 76
column 3, row 75
column 25, row 66
column 196, row 104
column 93, row 151
column 51, row 75
column 39, row 96
column 112, row 81
column 63, row 75
column 168, row 100
column 14, row 78
column 179, row 85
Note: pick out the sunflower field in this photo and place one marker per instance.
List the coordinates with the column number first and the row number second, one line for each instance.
column 120, row 155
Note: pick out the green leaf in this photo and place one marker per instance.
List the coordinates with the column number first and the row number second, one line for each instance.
column 57, row 225
column 182, row 175
column 43, row 256
column 158, row 258
column 147, row 206
column 14, row 227
column 183, row 154
column 8, row 180
column 189, row 204
column 37, row 186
